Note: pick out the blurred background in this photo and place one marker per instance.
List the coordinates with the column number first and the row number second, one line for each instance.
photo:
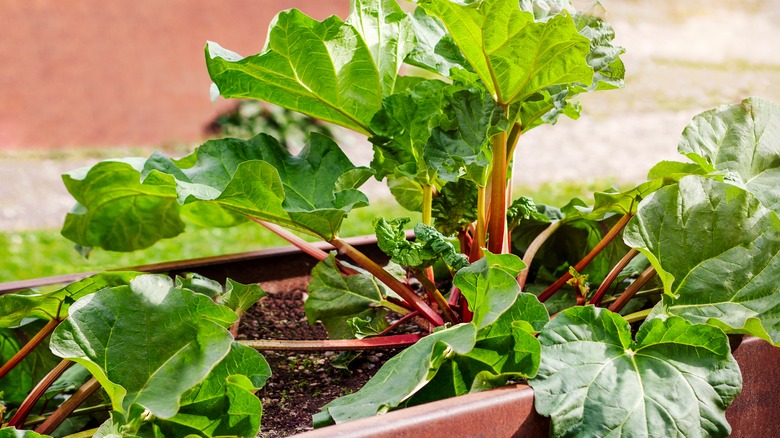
column 85, row 80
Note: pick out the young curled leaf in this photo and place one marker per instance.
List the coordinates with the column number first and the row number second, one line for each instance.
column 428, row 246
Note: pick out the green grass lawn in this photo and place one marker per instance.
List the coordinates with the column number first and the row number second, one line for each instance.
column 42, row 253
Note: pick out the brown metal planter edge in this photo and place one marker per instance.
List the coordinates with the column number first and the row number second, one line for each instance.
column 498, row 413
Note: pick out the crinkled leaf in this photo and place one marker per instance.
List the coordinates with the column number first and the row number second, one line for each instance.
column 455, row 207
column 257, row 177
column 743, row 140
column 717, row 252
column 331, row 70
column 514, row 55
column 460, row 145
column 16, row 307
column 400, row 377
column 676, row 379
column 224, row 404
column 403, row 127
column 435, row 50
column 489, row 286
column 174, row 337
column 368, row 326
column 428, row 246
column 335, row 298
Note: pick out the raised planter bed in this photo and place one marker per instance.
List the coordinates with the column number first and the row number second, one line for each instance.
column 502, row 412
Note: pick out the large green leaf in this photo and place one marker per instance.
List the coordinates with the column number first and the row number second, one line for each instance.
column 400, row 378
column 331, row 70
column 676, row 379
column 224, row 404
column 16, row 307
column 743, row 140
column 311, row 192
column 334, row 299
column 717, row 252
column 116, row 211
column 489, row 286
column 513, row 54
column 146, row 343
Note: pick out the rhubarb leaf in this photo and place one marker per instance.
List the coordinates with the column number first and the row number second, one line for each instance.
column 716, row 249
column 400, row 377
column 460, row 145
column 514, row 55
column 402, row 129
column 224, row 404
column 387, row 31
column 676, row 379
column 16, row 307
column 115, row 211
column 331, row 70
column 489, row 286
column 435, row 50
column 428, row 246
column 174, row 337
column 310, row 192
column 240, row 297
column 334, row 299
column 742, row 140
column 454, row 208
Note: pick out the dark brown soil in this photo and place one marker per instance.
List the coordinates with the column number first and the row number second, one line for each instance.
column 301, row 382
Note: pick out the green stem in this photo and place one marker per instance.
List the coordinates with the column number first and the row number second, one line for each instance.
column 637, row 316
column 632, row 289
column 66, row 408
column 32, row 398
column 582, row 264
column 530, row 253
column 393, row 341
column 395, row 307
column 29, row 347
column 616, row 270
column 385, row 277
column 427, row 205
column 497, row 214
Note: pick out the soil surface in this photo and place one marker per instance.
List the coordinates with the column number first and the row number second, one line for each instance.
column 301, row 383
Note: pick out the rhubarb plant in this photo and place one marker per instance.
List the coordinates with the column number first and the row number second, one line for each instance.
column 616, row 310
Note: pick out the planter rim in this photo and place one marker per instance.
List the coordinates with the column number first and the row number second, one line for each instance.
column 179, row 265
